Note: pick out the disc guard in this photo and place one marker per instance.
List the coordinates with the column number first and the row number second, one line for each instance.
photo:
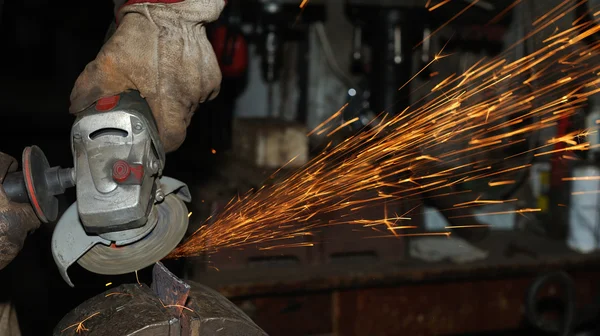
column 70, row 243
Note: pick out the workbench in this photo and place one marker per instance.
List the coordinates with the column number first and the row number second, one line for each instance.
column 408, row 297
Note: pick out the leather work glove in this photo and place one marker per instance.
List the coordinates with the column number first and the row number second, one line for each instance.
column 159, row 48
column 16, row 219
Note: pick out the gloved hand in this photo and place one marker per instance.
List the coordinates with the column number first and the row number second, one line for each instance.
column 16, row 219
column 159, row 48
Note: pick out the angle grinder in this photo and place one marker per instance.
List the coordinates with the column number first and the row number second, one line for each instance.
column 127, row 215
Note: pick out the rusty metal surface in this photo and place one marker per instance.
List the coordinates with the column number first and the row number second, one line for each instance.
column 551, row 255
column 171, row 290
column 124, row 310
column 408, row 297
column 212, row 314
column 138, row 310
column 444, row 308
column 291, row 315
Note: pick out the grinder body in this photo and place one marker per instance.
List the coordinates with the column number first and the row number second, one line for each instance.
column 127, row 215
column 118, row 157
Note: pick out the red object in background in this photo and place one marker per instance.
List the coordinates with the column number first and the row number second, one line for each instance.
column 231, row 49
column 558, row 167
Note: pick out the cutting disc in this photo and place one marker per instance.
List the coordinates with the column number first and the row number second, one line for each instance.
column 171, row 227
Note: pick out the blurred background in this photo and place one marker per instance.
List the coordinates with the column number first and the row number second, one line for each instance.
column 286, row 69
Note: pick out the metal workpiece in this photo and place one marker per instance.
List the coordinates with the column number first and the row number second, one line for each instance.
column 172, row 291
column 200, row 309
column 118, row 156
column 124, row 251
column 170, row 307
column 212, row 314
column 126, row 310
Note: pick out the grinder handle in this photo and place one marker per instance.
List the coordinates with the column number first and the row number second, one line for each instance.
column 38, row 184
column 14, row 187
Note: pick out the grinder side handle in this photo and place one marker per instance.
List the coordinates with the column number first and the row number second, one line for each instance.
column 38, row 184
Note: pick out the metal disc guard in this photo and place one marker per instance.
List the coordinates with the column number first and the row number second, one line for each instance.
column 70, row 243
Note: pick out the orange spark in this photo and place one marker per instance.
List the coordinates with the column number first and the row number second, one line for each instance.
column 405, row 227
column 508, row 212
column 80, row 327
column 438, row 5
column 470, row 127
column 117, row 293
column 473, row 3
column 343, row 125
column 504, row 12
column 575, row 193
column 175, row 306
column 424, row 234
column 582, row 178
column 501, row 183
column 274, row 247
column 480, row 201
column 556, row 8
column 467, row 226
column 333, row 116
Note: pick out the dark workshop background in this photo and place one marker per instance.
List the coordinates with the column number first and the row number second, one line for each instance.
column 335, row 52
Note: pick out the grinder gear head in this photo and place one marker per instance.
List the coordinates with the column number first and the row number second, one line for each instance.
column 127, row 215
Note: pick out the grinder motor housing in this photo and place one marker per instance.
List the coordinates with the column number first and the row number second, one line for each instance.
column 118, row 158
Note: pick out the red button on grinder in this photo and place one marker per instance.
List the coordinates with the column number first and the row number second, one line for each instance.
column 121, row 171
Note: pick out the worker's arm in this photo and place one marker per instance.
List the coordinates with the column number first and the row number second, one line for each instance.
column 16, row 219
column 159, row 48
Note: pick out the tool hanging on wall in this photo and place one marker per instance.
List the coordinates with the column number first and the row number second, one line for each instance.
column 230, row 44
